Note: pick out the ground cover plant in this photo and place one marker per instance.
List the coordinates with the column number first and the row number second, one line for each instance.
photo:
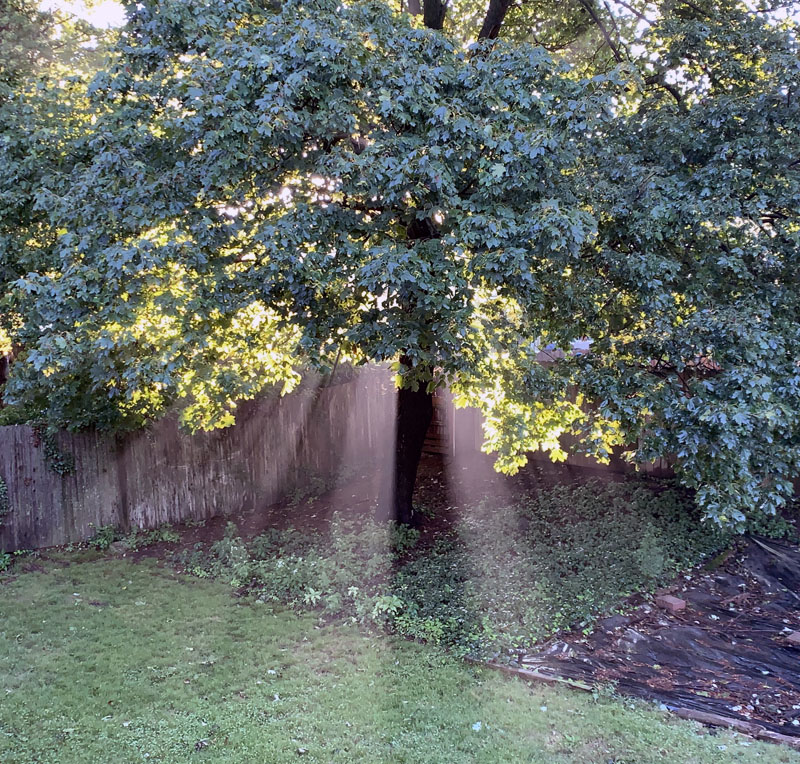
column 136, row 539
column 117, row 661
column 494, row 581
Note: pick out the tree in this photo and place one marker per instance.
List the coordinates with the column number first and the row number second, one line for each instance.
column 268, row 188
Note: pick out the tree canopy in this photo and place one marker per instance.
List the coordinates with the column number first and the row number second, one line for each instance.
column 246, row 189
column 46, row 61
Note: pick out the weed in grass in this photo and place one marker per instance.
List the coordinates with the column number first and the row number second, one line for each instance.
column 140, row 539
column 103, row 537
column 137, row 539
column 7, row 559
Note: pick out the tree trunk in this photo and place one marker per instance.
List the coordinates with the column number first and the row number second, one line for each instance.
column 414, row 407
column 5, row 368
column 433, row 13
column 493, row 21
column 414, row 415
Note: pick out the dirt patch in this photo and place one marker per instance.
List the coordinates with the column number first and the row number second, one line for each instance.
column 445, row 488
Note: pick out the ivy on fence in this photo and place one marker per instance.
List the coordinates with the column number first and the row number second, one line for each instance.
column 4, row 502
column 59, row 461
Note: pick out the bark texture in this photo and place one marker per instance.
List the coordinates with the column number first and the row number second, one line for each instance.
column 434, row 13
column 493, row 21
column 414, row 415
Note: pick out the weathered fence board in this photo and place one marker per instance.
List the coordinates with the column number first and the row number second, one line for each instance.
column 165, row 475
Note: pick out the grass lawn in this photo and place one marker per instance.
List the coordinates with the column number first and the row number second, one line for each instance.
column 113, row 661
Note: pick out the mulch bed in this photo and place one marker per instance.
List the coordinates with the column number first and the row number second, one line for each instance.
column 726, row 654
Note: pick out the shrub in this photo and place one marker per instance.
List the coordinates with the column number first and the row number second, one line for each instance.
column 104, row 537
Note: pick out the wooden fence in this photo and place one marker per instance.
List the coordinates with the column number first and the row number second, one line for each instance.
column 164, row 475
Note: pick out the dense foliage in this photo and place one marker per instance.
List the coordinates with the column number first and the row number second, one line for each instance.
column 249, row 189
column 46, row 62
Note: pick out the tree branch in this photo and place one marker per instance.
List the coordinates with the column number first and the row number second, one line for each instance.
column 493, row 21
column 699, row 11
column 658, row 79
column 633, row 10
column 589, row 6
column 616, row 30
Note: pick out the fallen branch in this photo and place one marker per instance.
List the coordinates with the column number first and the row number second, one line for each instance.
column 538, row 676
column 751, row 729
column 748, row 728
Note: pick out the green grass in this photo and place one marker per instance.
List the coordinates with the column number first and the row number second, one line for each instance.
column 111, row 661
